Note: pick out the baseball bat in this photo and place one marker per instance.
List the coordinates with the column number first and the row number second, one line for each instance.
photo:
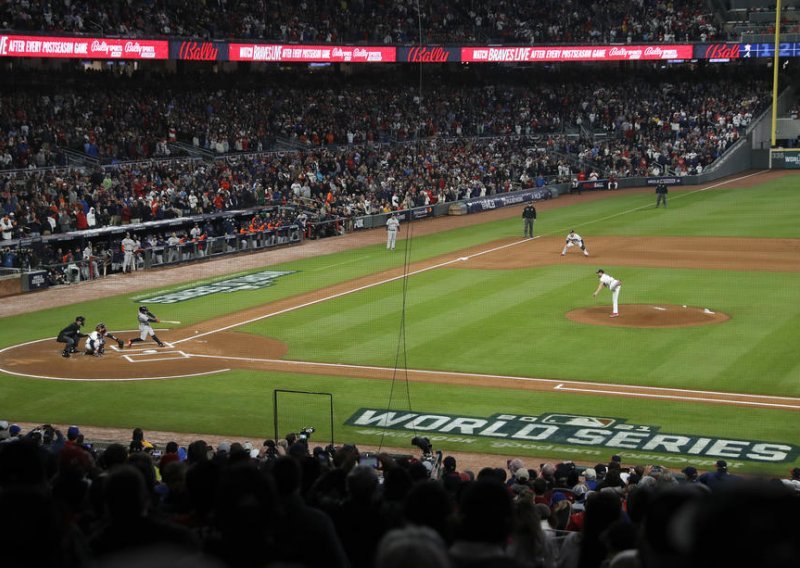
column 169, row 321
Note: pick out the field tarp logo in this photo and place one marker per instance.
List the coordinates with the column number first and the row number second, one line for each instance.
column 575, row 430
column 254, row 281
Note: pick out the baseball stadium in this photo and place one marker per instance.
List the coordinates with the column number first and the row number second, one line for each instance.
column 247, row 286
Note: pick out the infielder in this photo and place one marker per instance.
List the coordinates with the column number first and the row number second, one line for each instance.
column 574, row 240
column 70, row 335
column 392, row 226
column 95, row 344
column 614, row 286
column 145, row 318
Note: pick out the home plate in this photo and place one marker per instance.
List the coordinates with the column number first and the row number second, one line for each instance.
column 149, row 351
column 659, row 308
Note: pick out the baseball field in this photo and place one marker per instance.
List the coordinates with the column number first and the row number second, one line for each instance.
column 471, row 336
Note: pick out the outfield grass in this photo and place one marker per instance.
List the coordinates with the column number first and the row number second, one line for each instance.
column 506, row 322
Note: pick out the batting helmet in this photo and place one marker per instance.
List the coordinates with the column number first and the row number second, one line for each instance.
column 100, row 326
column 143, row 309
column 80, row 319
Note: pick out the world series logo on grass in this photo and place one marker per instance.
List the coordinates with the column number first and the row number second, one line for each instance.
column 577, row 430
column 254, row 281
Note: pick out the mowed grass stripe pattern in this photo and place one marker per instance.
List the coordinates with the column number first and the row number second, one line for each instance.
column 753, row 352
column 513, row 322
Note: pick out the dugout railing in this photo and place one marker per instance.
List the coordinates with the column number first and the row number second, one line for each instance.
column 107, row 262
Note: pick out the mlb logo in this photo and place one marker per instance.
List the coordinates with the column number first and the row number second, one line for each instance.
column 577, row 421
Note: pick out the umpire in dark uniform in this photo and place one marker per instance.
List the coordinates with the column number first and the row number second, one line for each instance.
column 71, row 335
column 529, row 216
column 661, row 195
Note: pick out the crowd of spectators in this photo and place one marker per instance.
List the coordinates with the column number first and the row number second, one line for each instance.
column 376, row 22
column 287, row 502
column 384, row 149
column 113, row 118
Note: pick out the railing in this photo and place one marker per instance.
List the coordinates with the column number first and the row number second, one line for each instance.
column 191, row 150
column 165, row 255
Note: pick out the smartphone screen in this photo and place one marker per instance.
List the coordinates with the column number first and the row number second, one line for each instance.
column 371, row 461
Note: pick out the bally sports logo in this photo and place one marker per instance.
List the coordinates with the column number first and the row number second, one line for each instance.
column 254, row 281
column 575, row 430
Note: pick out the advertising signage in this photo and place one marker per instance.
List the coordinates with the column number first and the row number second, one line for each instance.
column 198, row 50
column 82, row 47
column 717, row 51
column 429, row 54
column 536, row 54
column 786, row 49
column 32, row 46
column 311, row 53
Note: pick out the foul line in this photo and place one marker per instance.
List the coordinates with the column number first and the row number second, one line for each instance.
column 119, row 380
column 351, row 291
column 679, row 196
column 440, row 265
column 677, row 397
column 559, row 386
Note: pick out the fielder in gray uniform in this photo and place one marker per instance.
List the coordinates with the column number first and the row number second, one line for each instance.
column 392, row 226
column 145, row 318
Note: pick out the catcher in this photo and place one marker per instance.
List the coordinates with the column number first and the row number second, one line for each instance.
column 95, row 344
column 145, row 318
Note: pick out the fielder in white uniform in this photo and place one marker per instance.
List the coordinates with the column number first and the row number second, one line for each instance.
column 392, row 226
column 614, row 286
column 574, row 240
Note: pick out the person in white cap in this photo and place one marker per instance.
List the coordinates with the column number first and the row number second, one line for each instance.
column 392, row 226
column 614, row 287
column 574, row 240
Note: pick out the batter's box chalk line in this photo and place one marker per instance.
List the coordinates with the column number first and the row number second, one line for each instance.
column 156, row 357
column 142, row 348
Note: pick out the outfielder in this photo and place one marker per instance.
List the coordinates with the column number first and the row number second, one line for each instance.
column 392, row 226
column 145, row 318
column 95, row 344
column 71, row 335
column 574, row 240
column 614, row 286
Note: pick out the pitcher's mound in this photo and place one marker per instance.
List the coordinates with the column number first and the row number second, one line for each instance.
column 648, row 315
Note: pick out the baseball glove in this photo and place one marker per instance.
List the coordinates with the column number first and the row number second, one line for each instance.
column 120, row 343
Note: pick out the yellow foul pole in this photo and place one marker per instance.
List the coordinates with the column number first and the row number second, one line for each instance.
column 775, row 63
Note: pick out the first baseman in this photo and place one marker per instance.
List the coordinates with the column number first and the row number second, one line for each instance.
column 574, row 240
column 614, row 286
column 145, row 318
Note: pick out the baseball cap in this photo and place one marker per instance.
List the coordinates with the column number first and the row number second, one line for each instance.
column 616, row 458
column 722, row 464
column 13, row 430
column 522, row 474
column 689, row 472
column 73, row 432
